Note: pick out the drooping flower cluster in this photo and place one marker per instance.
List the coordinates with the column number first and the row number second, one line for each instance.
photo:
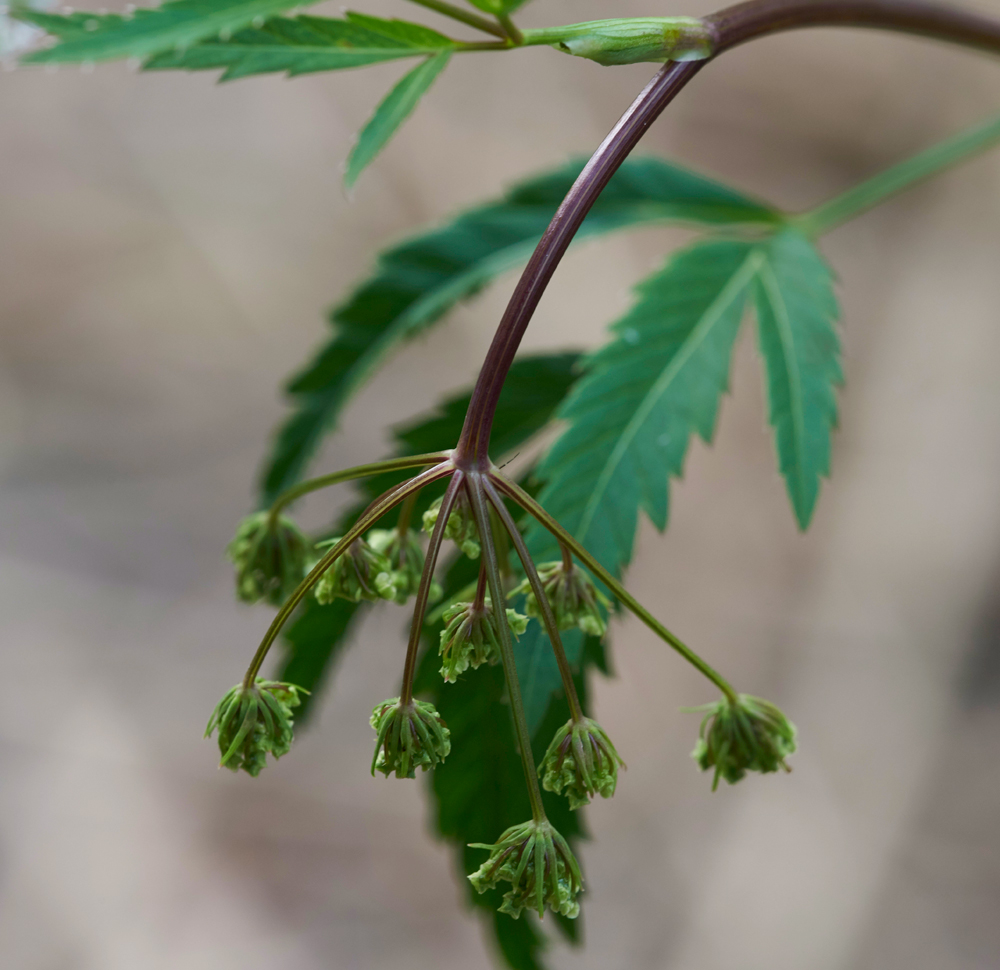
column 540, row 866
column 575, row 599
column 406, row 561
column 748, row 735
column 252, row 721
column 461, row 525
column 409, row 737
column 271, row 556
column 582, row 760
column 471, row 637
column 360, row 573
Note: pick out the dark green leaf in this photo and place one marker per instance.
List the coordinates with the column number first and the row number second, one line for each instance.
column 177, row 24
column 304, row 45
column 632, row 415
column 418, row 281
column 796, row 313
column 392, row 112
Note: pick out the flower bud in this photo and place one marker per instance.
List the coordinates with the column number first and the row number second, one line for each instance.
column 572, row 595
column 461, row 526
column 360, row 573
column 252, row 721
column 541, row 868
column 471, row 637
column 271, row 558
column 635, row 40
column 408, row 737
column 582, row 760
column 749, row 735
column 406, row 561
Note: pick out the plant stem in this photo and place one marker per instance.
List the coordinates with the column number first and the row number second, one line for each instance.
column 526, row 502
column 548, row 617
column 893, row 180
column 465, row 16
column 366, row 520
column 515, row 35
column 506, row 649
column 349, row 474
column 405, row 516
column 424, row 589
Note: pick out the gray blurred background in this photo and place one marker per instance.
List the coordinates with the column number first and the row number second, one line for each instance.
column 167, row 251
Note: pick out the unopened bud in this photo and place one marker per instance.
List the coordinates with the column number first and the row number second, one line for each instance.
column 408, row 737
column 582, row 760
column 271, row 558
column 406, row 561
column 635, row 40
column 471, row 637
column 461, row 526
column 359, row 573
column 572, row 595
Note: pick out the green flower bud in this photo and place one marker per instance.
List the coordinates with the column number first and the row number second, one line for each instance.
column 750, row 735
column 406, row 561
column 572, row 595
column 270, row 559
column 461, row 527
column 360, row 573
column 541, row 868
column 634, row 40
column 471, row 637
column 252, row 721
column 408, row 737
column 581, row 759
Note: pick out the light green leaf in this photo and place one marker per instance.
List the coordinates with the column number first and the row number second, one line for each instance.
column 497, row 6
column 796, row 313
column 175, row 25
column 418, row 281
column 392, row 112
column 632, row 415
column 305, row 45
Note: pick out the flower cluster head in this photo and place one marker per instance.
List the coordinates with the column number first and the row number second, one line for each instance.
column 271, row 558
column 541, row 868
column 408, row 737
column 572, row 595
column 749, row 734
column 406, row 561
column 582, row 760
column 360, row 573
column 252, row 721
column 461, row 526
column 471, row 637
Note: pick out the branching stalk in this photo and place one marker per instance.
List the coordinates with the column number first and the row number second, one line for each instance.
column 465, row 16
column 368, row 518
column 423, row 591
column 548, row 617
column 522, row 498
column 489, row 555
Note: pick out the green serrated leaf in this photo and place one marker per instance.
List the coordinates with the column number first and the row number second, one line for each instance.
column 305, row 45
column 419, row 280
column 175, row 25
column 796, row 314
column 632, row 415
column 392, row 112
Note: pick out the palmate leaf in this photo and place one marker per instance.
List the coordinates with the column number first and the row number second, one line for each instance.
column 419, row 280
column 392, row 112
column 305, row 45
column 796, row 312
column 632, row 416
column 177, row 24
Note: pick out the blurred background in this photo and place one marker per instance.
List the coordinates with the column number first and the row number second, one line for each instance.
column 168, row 248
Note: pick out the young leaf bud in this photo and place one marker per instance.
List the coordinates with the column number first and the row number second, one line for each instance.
column 471, row 637
column 408, row 737
column 572, row 595
column 635, row 40
column 461, row 527
column 360, row 573
column 750, row 735
column 541, row 868
column 582, row 760
column 253, row 721
column 271, row 559
column 406, row 561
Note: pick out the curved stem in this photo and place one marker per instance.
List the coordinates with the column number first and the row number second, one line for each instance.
column 527, row 503
column 366, row 520
column 465, row 16
column 548, row 617
column 510, row 28
column 349, row 474
column 506, row 648
column 424, row 589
